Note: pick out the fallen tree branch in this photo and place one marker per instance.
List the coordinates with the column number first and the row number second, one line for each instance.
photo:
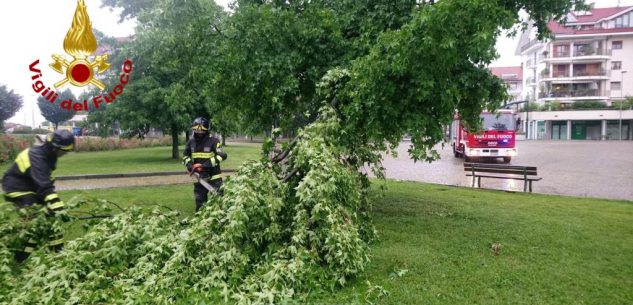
column 281, row 156
column 290, row 175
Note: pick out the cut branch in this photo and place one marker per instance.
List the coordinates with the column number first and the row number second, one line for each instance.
column 291, row 174
column 281, row 156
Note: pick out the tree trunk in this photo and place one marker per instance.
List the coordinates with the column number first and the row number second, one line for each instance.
column 56, row 124
column 186, row 136
column 174, row 142
column 223, row 139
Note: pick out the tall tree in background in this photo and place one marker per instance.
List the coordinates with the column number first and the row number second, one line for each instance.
column 10, row 103
column 53, row 112
column 172, row 51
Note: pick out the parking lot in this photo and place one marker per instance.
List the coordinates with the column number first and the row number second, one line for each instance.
column 577, row 168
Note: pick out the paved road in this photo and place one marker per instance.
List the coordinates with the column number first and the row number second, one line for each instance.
column 87, row 184
column 577, row 168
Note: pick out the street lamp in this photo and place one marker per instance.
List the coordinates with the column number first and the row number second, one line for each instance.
column 621, row 99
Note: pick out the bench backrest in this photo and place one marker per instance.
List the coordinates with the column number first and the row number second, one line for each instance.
column 500, row 169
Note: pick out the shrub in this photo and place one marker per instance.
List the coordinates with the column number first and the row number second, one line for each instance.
column 533, row 106
column 626, row 104
column 588, row 105
column 99, row 144
column 23, row 130
column 551, row 106
column 10, row 147
column 29, row 130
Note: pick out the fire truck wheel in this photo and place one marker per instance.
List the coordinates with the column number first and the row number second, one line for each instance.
column 507, row 159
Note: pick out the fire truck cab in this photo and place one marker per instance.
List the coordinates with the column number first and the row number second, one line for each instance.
column 496, row 140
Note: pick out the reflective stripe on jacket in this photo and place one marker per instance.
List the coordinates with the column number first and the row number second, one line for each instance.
column 205, row 152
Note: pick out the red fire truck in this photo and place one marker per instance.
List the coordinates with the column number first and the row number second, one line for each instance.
column 496, row 140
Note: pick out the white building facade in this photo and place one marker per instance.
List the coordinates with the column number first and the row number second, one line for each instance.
column 588, row 63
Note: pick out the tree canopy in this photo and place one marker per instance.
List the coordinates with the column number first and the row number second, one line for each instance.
column 10, row 103
column 172, row 51
column 52, row 112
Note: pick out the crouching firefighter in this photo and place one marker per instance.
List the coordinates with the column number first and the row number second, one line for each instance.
column 29, row 181
column 203, row 155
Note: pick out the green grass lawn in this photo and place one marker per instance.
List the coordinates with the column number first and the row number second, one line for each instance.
column 139, row 160
column 553, row 249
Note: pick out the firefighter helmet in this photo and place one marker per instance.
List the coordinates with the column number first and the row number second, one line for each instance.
column 62, row 139
column 200, row 125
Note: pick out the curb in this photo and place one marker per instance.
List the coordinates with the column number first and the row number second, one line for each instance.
column 129, row 175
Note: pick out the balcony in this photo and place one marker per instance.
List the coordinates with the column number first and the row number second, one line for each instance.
column 575, row 75
column 560, row 54
column 577, row 94
column 530, row 44
column 586, row 54
column 558, row 74
column 589, row 74
column 589, row 52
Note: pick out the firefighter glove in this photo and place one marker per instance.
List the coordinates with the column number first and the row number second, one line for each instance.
column 196, row 168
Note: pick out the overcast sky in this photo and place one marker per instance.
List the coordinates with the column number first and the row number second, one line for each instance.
column 35, row 29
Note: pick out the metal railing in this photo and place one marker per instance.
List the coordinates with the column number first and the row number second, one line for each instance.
column 560, row 74
column 591, row 52
column 601, row 72
column 529, row 44
column 561, row 54
column 572, row 93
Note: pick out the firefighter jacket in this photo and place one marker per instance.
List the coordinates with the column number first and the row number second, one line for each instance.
column 205, row 151
column 31, row 176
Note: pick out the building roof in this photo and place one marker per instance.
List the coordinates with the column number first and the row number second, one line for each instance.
column 597, row 15
column 514, row 73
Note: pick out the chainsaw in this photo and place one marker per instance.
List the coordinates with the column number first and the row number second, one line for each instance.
column 204, row 183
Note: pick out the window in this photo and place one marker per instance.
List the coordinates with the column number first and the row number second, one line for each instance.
column 615, row 85
column 561, row 50
column 618, row 22
column 616, row 65
column 625, row 21
column 616, row 45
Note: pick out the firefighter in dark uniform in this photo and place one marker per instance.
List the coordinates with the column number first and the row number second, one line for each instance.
column 203, row 154
column 29, row 181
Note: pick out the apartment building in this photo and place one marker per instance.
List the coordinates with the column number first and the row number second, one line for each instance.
column 513, row 77
column 588, row 63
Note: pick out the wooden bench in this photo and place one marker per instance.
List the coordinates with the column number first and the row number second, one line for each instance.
column 502, row 171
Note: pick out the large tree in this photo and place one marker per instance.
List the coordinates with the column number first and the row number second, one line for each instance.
column 172, row 51
column 10, row 103
column 389, row 67
column 53, row 112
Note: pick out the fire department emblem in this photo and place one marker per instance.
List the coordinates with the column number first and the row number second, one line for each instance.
column 80, row 43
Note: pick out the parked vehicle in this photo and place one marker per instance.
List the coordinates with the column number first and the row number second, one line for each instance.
column 495, row 140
